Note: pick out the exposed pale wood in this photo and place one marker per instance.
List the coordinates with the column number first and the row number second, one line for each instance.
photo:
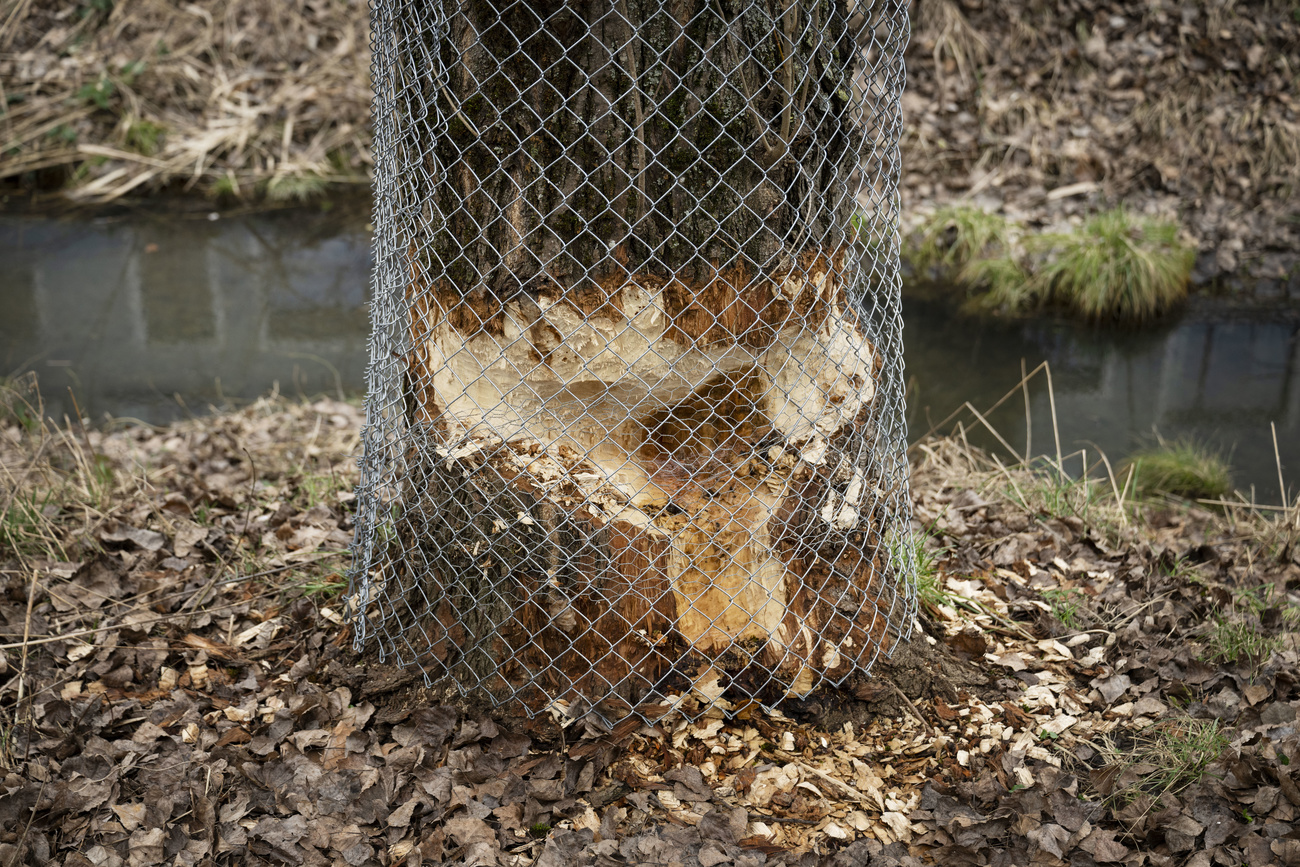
column 594, row 378
column 657, row 506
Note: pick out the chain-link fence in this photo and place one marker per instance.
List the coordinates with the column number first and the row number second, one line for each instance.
column 635, row 431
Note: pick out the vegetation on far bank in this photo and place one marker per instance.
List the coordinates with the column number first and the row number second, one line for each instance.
column 1045, row 109
column 1113, row 267
column 1050, row 111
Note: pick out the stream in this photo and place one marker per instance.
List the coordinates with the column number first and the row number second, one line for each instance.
column 155, row 315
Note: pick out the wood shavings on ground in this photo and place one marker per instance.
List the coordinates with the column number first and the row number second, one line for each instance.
column 1082, row 693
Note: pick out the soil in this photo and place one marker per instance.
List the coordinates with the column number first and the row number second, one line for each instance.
column 1085, row 684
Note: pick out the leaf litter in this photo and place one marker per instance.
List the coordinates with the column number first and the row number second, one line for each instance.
column 186, row 693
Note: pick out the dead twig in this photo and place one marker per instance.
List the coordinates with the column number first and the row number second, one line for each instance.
column 916, row 713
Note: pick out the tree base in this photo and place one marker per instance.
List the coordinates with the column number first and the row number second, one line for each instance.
column 637, row 512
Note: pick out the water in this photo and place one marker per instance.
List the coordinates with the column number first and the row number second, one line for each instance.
column 161, row 314
column 1215, row 374
column 157, row 315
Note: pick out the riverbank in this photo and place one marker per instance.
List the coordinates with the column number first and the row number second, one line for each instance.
column 1091, row 682
column 1043, row 113
column 1048, row 113
column 234, row 101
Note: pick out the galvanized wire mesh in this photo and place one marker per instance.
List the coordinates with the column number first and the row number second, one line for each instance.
column 634, row 431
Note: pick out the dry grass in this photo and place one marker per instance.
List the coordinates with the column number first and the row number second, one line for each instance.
column 211, row 96
column 62, row 483
column 1105, row 497
column 954, row 41
column 1197, row 122
column 1275, row 529
column 42, row 469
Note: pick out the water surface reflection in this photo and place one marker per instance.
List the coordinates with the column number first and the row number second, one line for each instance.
column 154, row 317
column 1215, row 374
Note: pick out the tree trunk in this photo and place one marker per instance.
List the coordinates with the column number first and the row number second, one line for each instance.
column 645, row 392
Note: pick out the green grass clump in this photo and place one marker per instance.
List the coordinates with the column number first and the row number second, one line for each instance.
column 1170, row 756
column 930, row 589
column 226, row 186
column 1066, row 603
column 145, row 137
column 1239, row 637
column 957, row 235
column 1117, row 266
column 978, row 249
column 295, row 187
column 1238, row 642
column 98, row 93
column 1005, row 281
column 1182, row 468
column 23, row 527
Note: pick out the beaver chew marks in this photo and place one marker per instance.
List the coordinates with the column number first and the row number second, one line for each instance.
column 660, row 507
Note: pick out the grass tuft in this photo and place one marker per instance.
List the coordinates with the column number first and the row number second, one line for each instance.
column 325, row 588
column 1004, row 279
column 98, row 93
column 1116, row 267
column 1067, row 605
column 226, row 186
column 1237, row 642
column 1169, row 756
column 958, row 235
column 1182, row 469
column 930, row 589
column 295, row 187
column 145, row 137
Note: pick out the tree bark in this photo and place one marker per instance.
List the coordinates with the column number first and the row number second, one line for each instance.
column 646, row 395
column 571, row 145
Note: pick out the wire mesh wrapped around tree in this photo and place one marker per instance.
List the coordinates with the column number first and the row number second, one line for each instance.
column 635, row 431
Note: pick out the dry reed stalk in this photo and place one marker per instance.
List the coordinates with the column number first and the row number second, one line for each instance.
column 157, row 95
column 1022, row 384
column 27, row 635
column 1029, row 423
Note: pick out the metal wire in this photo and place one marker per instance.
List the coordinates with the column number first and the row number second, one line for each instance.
column 634, row 431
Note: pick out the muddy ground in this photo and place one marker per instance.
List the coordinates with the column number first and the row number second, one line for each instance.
column 1087, row 684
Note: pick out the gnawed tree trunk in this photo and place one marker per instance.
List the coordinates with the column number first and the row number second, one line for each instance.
column 645, row 394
